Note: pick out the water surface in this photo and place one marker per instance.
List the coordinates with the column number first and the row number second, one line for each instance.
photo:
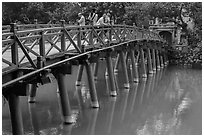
column 168, row 102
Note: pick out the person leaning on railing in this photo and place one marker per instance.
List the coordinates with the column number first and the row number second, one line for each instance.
column 103, row 21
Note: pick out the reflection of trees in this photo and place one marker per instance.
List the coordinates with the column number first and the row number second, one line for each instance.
column 179, row 98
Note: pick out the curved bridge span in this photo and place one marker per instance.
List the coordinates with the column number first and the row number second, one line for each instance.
column 29, row 56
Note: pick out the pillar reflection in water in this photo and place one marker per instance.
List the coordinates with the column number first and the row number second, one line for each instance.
column 107, row 85
column 110, row 115
column 153, row 83
column 124, row 103
column 92, row 121
column 80, row 101
column 116, row 82
column 143, row 84
column 148, row 86
column 34, row 118
column 133, row 97
column 66, row 129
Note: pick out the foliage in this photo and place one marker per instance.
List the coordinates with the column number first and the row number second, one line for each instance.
column 131, row 12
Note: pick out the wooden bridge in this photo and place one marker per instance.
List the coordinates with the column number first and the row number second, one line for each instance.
column 29, row 54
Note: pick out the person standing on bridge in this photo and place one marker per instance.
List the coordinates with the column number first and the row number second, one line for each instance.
column 93, row 16
column 81, row 22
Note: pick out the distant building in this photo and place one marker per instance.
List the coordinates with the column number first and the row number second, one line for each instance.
column 172, row 33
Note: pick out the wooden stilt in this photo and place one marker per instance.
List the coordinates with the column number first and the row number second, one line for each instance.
column 161, row 61
column 158, row 60
column 111, row 75
column 33, row 89
column 154, row 60
column 96, row 70
column 144, row 74
column 64, row 98
column 15, row 114
column 149, row 61
column 124, row 67
column 134, row 71
column 92, row 87
column 79, row 75
column 117, row 64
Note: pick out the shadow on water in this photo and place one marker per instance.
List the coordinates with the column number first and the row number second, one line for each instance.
column 167, row 102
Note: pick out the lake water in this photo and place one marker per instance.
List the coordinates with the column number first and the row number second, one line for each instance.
column 167, row 103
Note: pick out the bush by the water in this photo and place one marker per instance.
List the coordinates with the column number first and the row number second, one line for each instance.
column 193, row 56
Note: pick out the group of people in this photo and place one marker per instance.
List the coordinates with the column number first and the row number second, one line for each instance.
column 93, row 17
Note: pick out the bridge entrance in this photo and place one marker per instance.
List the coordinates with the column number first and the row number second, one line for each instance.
column 167, row 36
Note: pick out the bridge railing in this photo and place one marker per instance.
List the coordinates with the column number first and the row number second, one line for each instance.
column 21, row 48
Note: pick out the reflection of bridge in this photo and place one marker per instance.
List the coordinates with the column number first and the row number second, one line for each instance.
column 28, row 57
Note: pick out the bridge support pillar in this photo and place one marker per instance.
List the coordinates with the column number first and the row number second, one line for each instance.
column 165, row 60
column 33, row 89
column 96, row 70
column 79, row 75
column 154, row 60
column 15, row 114
column 124, row 67
column 64, row 98
column 161, row 61
column 111, row 75
column 117, row 64
column 92, row 87
column 144, row 74
column 149, row 61
column 127, row 58
column 158, row 60
column 134, row 69
column 136, row 64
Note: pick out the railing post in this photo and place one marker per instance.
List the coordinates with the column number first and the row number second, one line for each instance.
column 14, row 47
column 91, row 35
column 134, row 31
column 124, row 31
column 79, row 37
column 36, row 23
column 63, row 39
column 42, row 44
